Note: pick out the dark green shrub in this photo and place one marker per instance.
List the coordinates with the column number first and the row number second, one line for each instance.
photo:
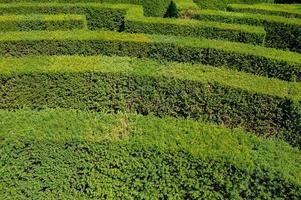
column 172, row 11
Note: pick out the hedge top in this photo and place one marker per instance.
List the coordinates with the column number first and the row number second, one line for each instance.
column 210, row 142
column 148, row 67
column 36, row 17
column 240, row 48
column 277, row 9
column 66, row 5
column 255, row 16
column 136, row 14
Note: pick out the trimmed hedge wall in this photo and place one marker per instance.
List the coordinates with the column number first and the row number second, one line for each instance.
column 108, row 16
column 155, row 8
column 85, row 155
column 99, row 16
column 270, row 9
column 157, row 93
column 135, row 22
column 287, row 1
column 281, row 32
column 252, row 59
column 222, row 4
column 41, row 22
column 262, row 114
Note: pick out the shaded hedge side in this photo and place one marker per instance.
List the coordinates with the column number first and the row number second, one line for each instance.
column 97, row 16
column 282, row 33
column 266, row 115
column 160, row 50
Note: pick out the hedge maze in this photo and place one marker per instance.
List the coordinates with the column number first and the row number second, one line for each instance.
column 150, row 99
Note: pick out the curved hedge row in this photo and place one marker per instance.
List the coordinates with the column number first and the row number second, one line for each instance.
column 222, row 4
column 135, row 22
column 108, row 16
column 243, row 57
column 97, row 156
column 146, row 88
column 270, row 9
column 155, row 8
column 281, row 32
column 41, row 22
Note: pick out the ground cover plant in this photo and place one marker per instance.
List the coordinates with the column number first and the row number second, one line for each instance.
column 150, row 99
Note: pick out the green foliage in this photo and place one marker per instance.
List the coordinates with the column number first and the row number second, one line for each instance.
column 287, row 1
column 281, row 32
column 106, row 16
column 135, row 22
column 67, row 148
column 77, row 157
column 41, row 22
column 155, row 8
column 270, row 9
column 222, row 4
column 248, row 58
column 166, row 91
column 172, row 11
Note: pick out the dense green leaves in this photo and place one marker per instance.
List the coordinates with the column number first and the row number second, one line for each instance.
column 106, row 16
column 41, row 22
column 281, row 32
column 93, row 155
column 222, row 4
column 172, row 11
column 135, row 22
column 242, row 57
column 163, row 91
column 57, row 143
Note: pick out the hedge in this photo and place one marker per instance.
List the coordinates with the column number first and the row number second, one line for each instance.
column 135, row 22
column 271, row 9
column 41, row 22
column 155, row 8
column 186, row 4
column 222, row 4
column 87, row 155
column 257, row 104
column 281, row 32
column 107, row 16
column 243, row 57
column 287, row 1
